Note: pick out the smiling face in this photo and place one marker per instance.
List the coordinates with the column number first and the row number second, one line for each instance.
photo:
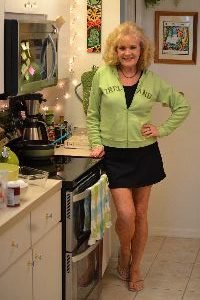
column 128, row 51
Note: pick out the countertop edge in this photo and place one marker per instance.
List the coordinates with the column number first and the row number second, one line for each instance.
column 10, row 215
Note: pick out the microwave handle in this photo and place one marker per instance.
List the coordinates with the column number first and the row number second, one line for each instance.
column 49, row 38
column 84, row 254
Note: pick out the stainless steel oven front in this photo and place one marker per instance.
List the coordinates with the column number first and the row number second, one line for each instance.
column 82, row 264
column 30, row 52
column 83, row 272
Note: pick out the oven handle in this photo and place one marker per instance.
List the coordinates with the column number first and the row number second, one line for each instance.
column 81, row 196
column 85, row 193
column 85, row 253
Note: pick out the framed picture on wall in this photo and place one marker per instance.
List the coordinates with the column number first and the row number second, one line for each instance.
column 175, row 37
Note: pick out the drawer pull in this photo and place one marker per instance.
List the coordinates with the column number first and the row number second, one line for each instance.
column 38, row 257
column 14, row 244
column 27, row 4
column 30, row 263
column 49, row 216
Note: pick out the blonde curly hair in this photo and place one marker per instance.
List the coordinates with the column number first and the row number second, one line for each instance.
column 116, row 36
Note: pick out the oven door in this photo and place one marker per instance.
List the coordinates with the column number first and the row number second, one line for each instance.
column 83, row 272
column 78, row 215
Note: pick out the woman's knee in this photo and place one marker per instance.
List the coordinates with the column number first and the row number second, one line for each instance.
column 141, row 215
column 126, row 216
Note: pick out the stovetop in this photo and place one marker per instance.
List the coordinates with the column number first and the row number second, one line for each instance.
column 66, row 168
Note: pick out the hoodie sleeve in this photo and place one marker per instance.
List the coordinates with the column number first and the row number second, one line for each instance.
column 178, row 105
column 93, row 113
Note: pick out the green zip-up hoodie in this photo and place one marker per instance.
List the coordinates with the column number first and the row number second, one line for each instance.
column 111, row 123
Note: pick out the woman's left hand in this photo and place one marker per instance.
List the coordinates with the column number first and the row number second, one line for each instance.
column 149, row 130
column 97, row 152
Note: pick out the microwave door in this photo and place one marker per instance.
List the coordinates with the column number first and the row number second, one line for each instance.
column 48, row 57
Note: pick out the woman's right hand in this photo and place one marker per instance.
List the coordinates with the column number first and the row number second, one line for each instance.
column 97, row 152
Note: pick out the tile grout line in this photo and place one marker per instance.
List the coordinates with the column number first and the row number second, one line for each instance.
column 148, row 271
column 193, row 265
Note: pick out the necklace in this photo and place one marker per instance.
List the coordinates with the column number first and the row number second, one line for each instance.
column 129, row 76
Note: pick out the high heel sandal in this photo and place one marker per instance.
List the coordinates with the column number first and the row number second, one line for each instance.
column 136, row 283
column 123, row 272
column 136, row 286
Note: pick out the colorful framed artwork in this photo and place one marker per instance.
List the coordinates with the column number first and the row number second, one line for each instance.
column 175, row 37
column 94, row 10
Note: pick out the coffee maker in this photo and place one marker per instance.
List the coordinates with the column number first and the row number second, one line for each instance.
column 33, row 141
column 34, row 127
column 25, row 112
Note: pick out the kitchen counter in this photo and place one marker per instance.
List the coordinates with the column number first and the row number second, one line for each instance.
column 34, row 196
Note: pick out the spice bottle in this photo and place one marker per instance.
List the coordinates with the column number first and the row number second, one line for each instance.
column 13, row 193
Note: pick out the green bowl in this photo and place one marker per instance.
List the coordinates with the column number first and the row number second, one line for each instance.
column 13, row 170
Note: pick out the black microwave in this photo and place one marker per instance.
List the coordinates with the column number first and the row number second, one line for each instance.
column 30, row 56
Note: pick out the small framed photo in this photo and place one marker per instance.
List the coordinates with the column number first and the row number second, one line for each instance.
column 175, row 37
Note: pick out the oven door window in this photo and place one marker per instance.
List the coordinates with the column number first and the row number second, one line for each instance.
column 82, row 221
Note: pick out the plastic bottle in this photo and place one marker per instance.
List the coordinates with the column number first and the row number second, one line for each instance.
column 13, row 193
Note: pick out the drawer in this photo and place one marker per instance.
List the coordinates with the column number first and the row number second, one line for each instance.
column 45, row 216
column 14, row 242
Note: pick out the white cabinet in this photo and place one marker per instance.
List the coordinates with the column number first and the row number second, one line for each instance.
column 14, row 242
column 47, row 266
column 24, row 6
column 30, row 260
column 1, row 46
column 50, row 8
column 16, row 282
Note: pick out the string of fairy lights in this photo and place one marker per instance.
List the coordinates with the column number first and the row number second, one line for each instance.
column 75, row 50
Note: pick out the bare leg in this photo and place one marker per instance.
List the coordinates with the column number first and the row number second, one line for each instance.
column 125, row 223
column 141, row 199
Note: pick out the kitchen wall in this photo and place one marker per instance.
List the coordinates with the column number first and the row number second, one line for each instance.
column 175, row 205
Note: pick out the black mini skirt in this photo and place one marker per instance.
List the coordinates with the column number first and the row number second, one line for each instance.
column 133, row 167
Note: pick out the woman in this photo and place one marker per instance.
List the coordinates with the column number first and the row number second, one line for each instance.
column 120, row 129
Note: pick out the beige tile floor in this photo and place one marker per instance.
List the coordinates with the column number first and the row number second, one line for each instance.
column 171, row 268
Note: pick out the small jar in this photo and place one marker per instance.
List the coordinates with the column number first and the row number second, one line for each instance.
column 13, row 193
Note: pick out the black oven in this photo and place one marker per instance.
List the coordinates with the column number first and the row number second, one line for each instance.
column 30, row 56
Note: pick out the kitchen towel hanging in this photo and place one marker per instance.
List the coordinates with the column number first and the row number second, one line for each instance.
column 100, row 209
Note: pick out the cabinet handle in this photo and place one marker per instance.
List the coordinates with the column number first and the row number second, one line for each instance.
column 14, row 244
column 38, row 257
column 27, row 4
column 49, row 216
column 30, row 263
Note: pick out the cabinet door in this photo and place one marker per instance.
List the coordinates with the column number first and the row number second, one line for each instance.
column 16, row 282
column 45, row 216
column 51, row 8
column 14, row 242
column 47, row 268
column 22, row 6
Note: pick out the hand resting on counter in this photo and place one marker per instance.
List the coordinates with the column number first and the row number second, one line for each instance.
column 97, row 152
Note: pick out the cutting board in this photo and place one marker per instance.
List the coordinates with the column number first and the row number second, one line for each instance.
column 72, row 152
